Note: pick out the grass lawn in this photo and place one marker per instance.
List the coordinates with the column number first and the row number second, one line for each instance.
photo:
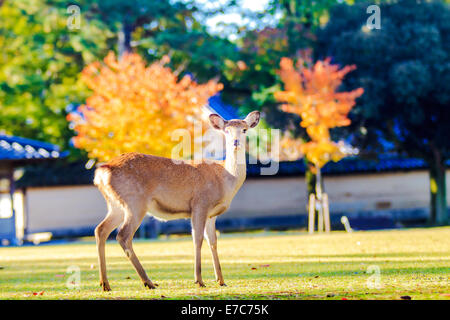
column 288, row 265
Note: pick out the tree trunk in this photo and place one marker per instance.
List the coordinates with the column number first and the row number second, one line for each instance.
column 438, row 205
column 310, row 178
column 124, row 39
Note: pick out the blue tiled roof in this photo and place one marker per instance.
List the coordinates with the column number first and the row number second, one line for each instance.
column 226, row 111
column 348, row 166
column 18, row 148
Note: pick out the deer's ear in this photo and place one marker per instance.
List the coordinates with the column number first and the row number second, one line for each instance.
column 252, row 119
column 216, row 121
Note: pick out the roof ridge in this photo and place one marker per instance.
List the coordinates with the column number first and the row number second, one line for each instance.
column 31, row 142
column 226, row 111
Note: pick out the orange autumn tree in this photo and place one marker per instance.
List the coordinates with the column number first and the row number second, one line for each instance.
column 135, row 107
column 311, row 93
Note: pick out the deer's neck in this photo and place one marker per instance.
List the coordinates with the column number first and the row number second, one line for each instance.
column 236, row 167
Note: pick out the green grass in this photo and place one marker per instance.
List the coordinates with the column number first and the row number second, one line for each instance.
column 290, row 265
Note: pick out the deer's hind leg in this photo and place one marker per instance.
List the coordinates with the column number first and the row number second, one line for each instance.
column 133, row 218
column 112, row 220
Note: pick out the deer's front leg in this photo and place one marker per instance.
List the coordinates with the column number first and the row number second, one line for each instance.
column 211, row 237
column 198, row 220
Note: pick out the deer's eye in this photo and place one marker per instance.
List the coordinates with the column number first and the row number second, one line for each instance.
column 244, row 130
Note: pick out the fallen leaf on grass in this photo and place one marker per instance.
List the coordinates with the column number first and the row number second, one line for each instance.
column 344, row 299
column 40, row 293
column 264, row 265
column 253, row 268
column 405, row 297
column 59, row 275
column 445, row 294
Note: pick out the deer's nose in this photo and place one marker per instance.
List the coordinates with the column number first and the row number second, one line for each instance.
column 236, row 143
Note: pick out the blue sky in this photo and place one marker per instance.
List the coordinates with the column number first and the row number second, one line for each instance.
column 214, row 22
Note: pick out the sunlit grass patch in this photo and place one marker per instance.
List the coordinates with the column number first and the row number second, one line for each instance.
column 290, row 265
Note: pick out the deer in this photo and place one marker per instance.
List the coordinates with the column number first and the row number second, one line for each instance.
column 136, row 184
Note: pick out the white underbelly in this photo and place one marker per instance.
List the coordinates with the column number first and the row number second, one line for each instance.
column 156, row 211
column 168, row 216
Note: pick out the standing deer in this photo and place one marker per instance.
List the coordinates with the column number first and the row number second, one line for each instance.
column 134, row 184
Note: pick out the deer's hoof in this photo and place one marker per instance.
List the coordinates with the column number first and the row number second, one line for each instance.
column 105, row 286
column 221, row 283
column 200, row 284
column 150, row 285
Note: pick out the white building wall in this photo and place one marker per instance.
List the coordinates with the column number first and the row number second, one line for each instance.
column 84, row 206
column 349, row 194
column 64, row 207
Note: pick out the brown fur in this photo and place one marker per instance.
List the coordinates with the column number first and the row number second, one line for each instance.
column 200, row 177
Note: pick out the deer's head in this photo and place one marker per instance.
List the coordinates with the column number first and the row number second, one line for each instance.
column 235, row 130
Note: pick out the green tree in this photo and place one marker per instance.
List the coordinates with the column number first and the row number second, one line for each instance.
column 404, row 68
column 158, row 28
column 40, row 62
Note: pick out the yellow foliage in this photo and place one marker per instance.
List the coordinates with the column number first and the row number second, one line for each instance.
column 290, row 148
column 136, row 108
column 321, row 152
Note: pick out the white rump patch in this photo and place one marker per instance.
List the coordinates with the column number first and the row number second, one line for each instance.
column 102, row 176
